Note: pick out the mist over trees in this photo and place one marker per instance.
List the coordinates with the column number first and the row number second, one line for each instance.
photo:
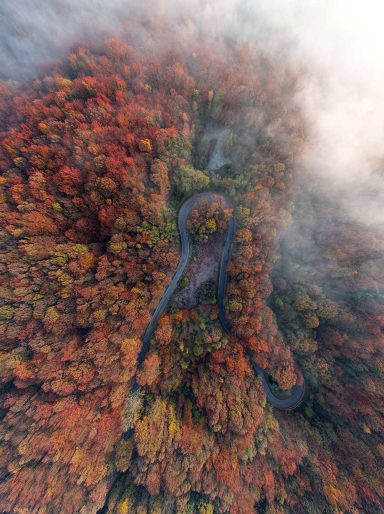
column 97, row 153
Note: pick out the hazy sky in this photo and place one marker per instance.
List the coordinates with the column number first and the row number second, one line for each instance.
column 340, row 42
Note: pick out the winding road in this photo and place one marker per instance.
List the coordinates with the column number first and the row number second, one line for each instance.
column 298, row 391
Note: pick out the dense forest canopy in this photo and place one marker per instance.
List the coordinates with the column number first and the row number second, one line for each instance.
column 97, row 153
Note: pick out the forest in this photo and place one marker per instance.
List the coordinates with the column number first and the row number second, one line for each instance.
column 97, row 154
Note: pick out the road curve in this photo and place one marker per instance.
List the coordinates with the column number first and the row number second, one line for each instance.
column 298, row 391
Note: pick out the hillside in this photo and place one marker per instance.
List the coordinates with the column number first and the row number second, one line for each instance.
column 97, row 155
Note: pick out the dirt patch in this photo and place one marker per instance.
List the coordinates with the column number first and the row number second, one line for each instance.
column 202, row 268
column 207, row 228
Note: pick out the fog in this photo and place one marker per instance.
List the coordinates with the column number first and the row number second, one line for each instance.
column 340, row 45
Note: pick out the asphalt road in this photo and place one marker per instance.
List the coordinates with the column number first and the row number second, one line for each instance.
column 298, row 391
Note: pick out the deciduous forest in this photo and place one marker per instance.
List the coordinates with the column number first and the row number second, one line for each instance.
column 97, row 153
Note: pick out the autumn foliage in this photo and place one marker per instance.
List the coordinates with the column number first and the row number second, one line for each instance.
column 96, row 156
